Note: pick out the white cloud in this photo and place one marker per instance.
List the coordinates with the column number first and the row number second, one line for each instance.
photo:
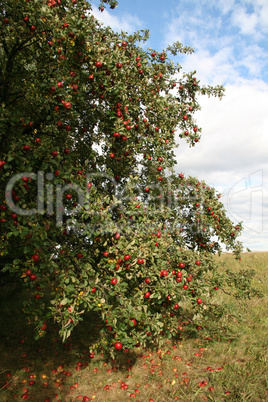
column 249, row 16
column 225, row 66
column 263, row 15
column 191, row 29
column 232, row 155
column 225, row 5
column 228, row 37
column 247, row 23
column 260, row 8
column 253, row 58
column 234, row 130
column 126, row 22
column 212, row 69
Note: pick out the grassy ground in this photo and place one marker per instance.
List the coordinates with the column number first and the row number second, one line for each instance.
column 187, row 370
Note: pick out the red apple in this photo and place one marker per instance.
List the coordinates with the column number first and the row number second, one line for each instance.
column 118, row 345
column 44, row 326
column 35, row 257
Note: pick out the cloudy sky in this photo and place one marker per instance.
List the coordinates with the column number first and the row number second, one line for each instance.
column 230, row 38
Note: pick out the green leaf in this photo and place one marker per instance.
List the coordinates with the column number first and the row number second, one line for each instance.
column 64, row 301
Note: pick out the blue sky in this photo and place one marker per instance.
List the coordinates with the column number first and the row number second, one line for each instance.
column 230, row 38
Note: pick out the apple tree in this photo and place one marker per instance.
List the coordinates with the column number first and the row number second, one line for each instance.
column 94, row 216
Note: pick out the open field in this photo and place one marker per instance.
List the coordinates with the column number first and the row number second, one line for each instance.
column 190, row 369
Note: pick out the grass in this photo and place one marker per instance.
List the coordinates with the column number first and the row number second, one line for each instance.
column 191, row 369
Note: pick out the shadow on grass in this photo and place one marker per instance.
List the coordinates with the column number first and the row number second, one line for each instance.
column 48, row 362
column 21, row 356
column 52, row 365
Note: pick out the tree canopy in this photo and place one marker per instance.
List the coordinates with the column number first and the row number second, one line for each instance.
column 94, row 216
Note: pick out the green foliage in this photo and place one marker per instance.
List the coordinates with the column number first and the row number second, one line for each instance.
column 90, row 123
